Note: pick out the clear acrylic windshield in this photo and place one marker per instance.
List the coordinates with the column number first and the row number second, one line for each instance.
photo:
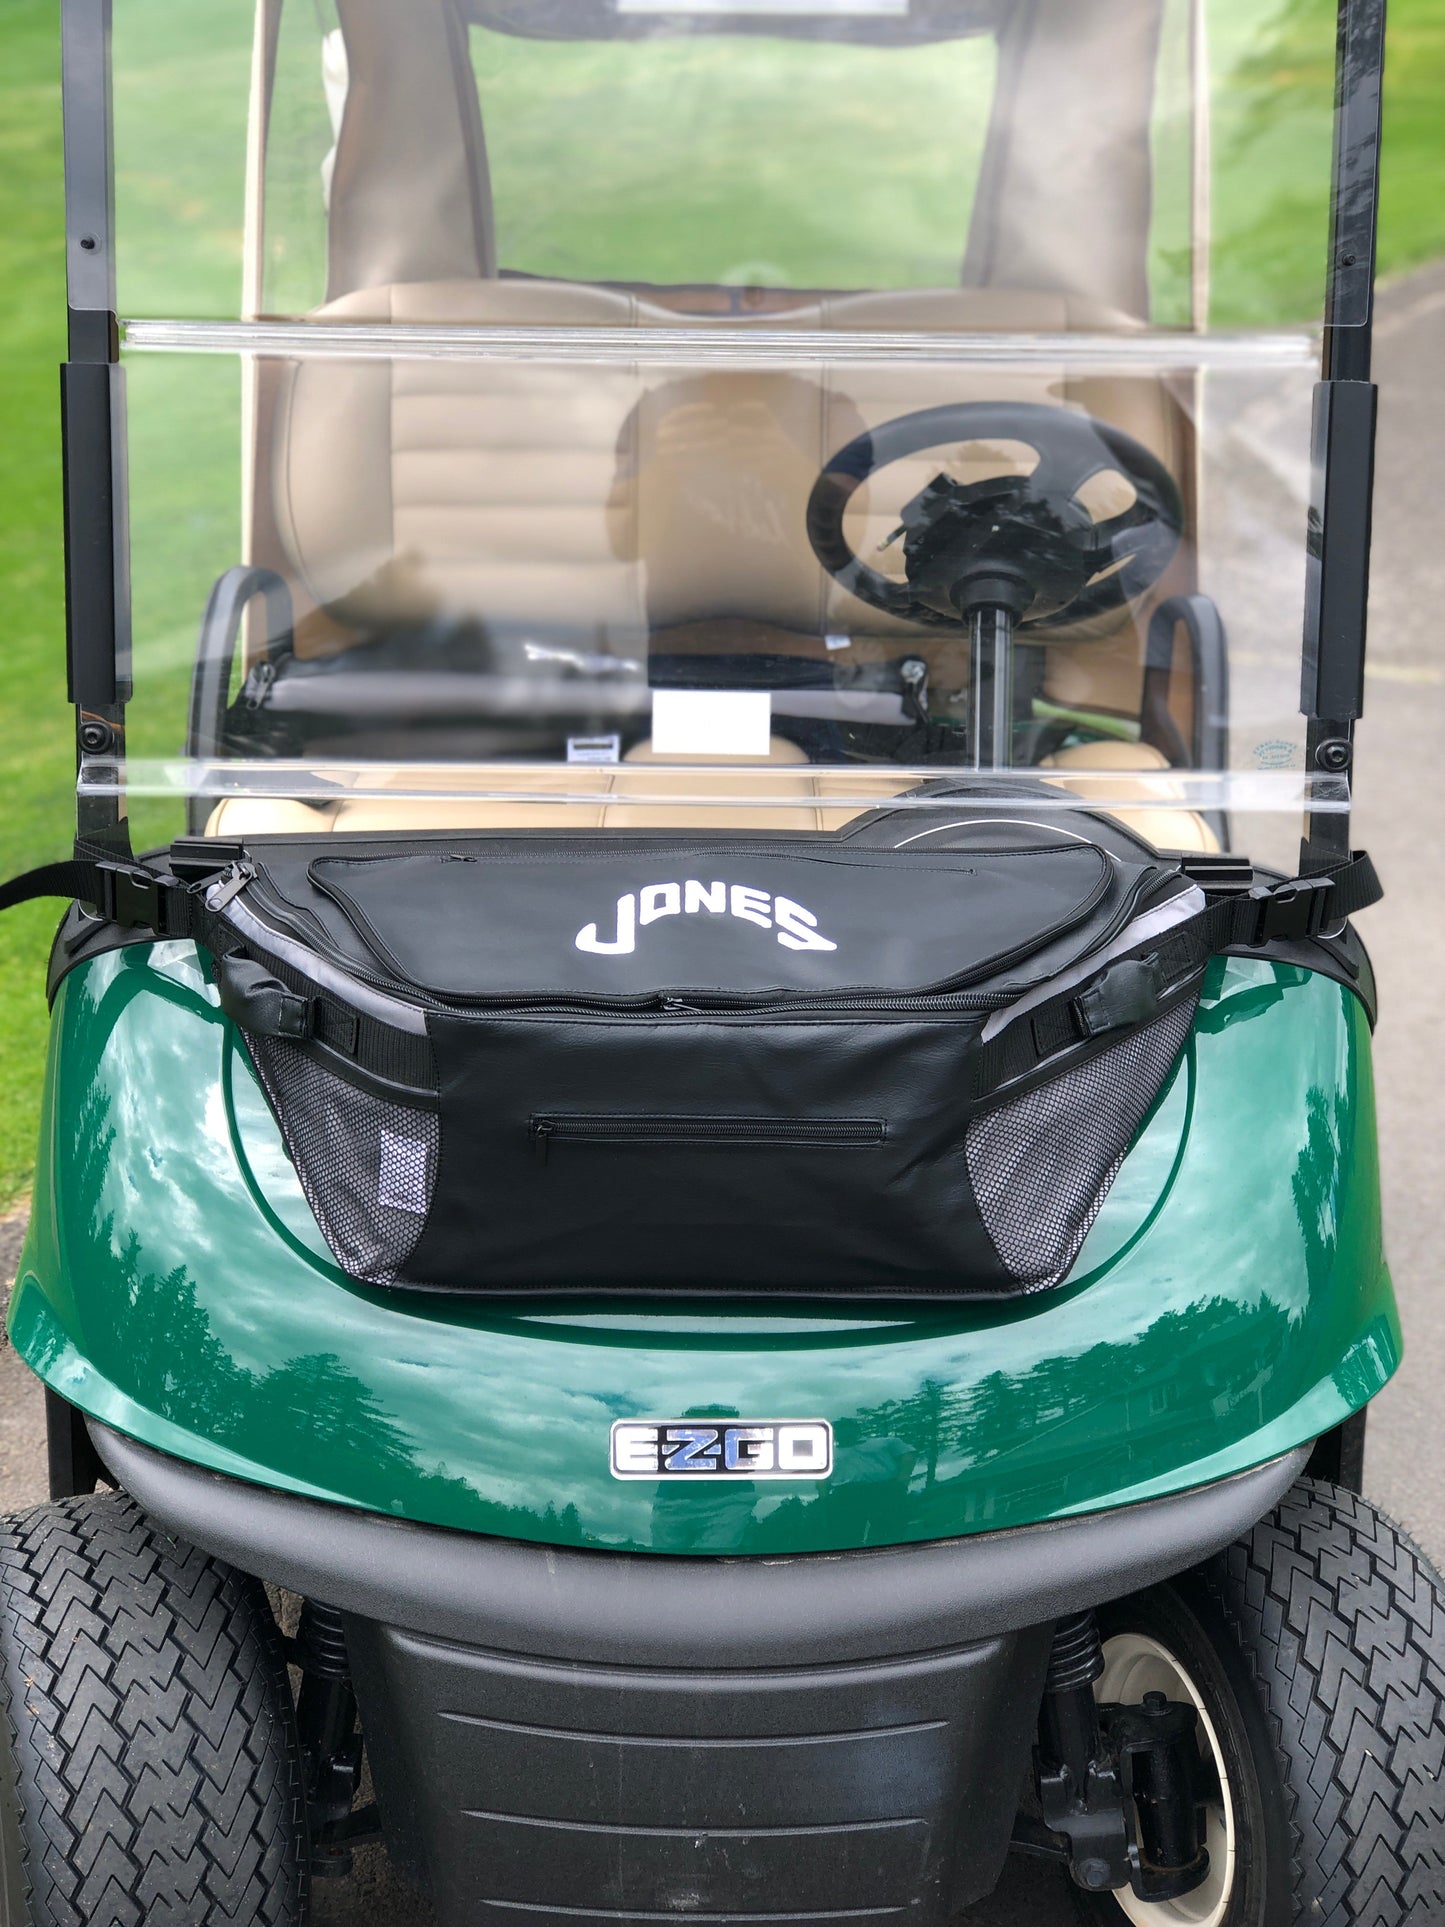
column 617, row 413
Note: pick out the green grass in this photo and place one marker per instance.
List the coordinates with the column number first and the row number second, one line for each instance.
column 787, row 118
column 185, row 207
column 35, row 725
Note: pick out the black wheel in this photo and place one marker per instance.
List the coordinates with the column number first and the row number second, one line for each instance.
column 1314, row 1650
column 149, row 1774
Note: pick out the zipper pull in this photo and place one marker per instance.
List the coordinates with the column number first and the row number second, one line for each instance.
column 543, row 1131
column 232, row 883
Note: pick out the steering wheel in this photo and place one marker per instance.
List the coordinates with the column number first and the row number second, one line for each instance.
column 1021, row 543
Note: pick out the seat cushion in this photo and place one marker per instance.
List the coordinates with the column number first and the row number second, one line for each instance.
column 620, row 500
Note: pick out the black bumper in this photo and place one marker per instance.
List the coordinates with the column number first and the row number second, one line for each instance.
column 587, row 1736
column 521, row 1785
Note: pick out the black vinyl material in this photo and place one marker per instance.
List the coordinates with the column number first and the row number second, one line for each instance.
column 701, row 1065
column 719, row 920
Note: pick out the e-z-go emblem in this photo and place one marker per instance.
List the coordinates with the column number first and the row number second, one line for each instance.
column 689, row 1448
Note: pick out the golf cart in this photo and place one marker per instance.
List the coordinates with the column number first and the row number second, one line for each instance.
column 707, row 1238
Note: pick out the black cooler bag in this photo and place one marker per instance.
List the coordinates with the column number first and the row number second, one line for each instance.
column 803, row 1064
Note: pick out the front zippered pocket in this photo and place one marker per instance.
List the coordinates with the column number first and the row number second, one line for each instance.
column 941, row 999
column 685, row 1132
column 727, row 926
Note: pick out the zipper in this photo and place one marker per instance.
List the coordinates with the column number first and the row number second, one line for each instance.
column 948, row 998
column 681, row 1131
column 761, row 1001
column 266, row 910
column 231, row 882
column 825, row 1003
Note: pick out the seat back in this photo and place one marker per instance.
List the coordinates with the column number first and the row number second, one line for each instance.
column 627, row 501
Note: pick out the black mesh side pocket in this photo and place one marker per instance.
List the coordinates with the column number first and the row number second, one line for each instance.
column 367, row 1164
column 1041, row 1164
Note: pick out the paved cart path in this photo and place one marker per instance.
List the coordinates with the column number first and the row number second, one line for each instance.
column 1402, row 758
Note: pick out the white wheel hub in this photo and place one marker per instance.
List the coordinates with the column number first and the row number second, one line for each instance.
column 1135, row 1664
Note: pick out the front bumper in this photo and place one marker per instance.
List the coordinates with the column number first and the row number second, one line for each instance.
column 589, row 1736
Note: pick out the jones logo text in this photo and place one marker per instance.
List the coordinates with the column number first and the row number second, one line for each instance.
column 797, row 928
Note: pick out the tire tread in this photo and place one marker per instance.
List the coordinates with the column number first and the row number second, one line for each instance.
column 1341, row 1619
column 158, row 1777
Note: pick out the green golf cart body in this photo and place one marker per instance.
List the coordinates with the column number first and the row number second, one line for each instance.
column 467, row 369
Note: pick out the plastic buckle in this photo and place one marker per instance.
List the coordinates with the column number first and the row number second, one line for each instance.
column 133, row 899
column 1289, row 912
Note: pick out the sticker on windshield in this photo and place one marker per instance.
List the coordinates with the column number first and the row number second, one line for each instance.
column 689, row 1448
column 711, row 722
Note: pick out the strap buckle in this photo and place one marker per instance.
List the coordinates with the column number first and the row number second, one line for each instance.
column 132, row 898
column 1289, row 912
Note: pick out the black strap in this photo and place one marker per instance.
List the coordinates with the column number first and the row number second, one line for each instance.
column 1129, row 990
column 125, row 893
column 1140, row 983
column 73, row 878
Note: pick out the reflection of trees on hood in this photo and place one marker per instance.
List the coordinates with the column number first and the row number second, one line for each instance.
column 1316, row 1180
column 311, row 1409
column 965, row 1437
column 919, row 1421
column 177, row 1365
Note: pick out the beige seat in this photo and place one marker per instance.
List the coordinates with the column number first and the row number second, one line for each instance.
column 634, row 795
column 1166, row 829
column 629, row 504
column 626, row 501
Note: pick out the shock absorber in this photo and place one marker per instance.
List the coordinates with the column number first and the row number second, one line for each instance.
column 326, row 1724
column 1070, row 1717
column 1120, row 1783
column 1078, row 1778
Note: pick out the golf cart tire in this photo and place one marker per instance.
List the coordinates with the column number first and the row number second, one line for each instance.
column 1317, row 1643
column 149, row 1773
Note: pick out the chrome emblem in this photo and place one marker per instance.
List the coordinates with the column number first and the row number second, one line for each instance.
column 691, row 1448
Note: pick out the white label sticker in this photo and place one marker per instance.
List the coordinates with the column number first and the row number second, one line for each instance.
column 403, row 1180
column 594, row 749
column 711, row 722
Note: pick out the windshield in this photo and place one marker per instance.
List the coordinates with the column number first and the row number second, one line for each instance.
column 617, row 413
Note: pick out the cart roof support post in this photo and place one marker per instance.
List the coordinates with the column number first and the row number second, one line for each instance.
column 1343, row 444
column 92, row 405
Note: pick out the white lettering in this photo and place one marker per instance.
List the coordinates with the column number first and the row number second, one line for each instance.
column 712, row 897
column 659, row 900
column 752, row 904
column 634, row 1448
column 626, row 940
column 797, row 927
